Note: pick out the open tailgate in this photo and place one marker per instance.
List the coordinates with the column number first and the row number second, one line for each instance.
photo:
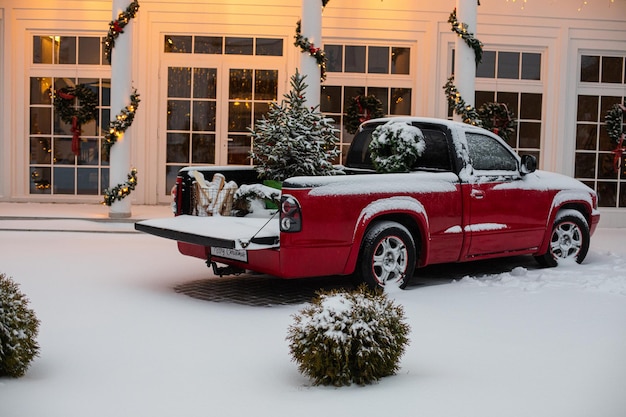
column 218, row 231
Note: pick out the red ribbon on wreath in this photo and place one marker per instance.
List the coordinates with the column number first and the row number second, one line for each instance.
column 365, row 112
column 618, row 153
column 75, row 125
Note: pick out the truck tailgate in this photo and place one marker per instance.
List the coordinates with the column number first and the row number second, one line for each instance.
column 219, row 231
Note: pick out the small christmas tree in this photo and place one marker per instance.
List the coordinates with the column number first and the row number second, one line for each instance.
column 294, row 139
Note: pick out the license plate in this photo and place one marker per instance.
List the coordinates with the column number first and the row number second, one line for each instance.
column 227, row 253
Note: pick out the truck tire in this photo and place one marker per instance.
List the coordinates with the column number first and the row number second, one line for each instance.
column 387, row 257
column 569, row 239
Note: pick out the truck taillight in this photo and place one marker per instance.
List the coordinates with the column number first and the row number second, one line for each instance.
column 290, row 215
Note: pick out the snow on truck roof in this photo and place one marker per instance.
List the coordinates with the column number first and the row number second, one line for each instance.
column 450, row 124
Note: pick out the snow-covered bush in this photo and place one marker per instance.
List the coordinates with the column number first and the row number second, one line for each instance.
column 294, row 139
column 395, row 146
column 348, row 337
column 18, row 330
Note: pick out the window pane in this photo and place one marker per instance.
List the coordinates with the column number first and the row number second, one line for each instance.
column 40, row 90
column 42, row 49
column 529, row 135
column 607, row 103
column 482, row 97
column 590, row 68
column 606, row 167
column 530, row 106
column 239, row 46
column 63, row 154
column 63, row 181
column 378, row 60
column 203, row 149
column 40, row 120
column 208, row 44
column 269, row 47
column 586, row 137
column 106, row 92
column 240, row 84
column 204, row 83
column 607, row 194
column 487, row 67
column 355, row 59
column 508, row 65
column 587, row 109
column 381, row 93
column 585, row 165
column 179, row 82
column 67, row 50
column 510, row 99
column 177, row 147
column 612, row 69
column 266, row 85
column 88, row 152
column 239, row 116
column 260, row 110
column 178, row 115
column 330, row 99
column 400, row 60
column 400, row 101
column 239, row 147
column 171, row 172
column 177, row 44
column 89, row 50
column 204, row 116
column 605, row 142
column 87, row 181
column 334, row 53
column 40, row 150
column 350, row 93
column 40, row 180
column 531, row 66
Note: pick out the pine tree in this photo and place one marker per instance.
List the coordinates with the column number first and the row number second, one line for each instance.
column 294, row 139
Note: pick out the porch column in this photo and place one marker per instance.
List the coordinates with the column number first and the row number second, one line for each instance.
column 311, row 29
column 464, row 59
column 121, row 89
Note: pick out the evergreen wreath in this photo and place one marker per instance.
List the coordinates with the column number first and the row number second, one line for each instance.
column 117, row 26
column 307, row 46
column 461, row 30
column 395, row 146
column 122, row 122
column 86, row 112
column 615, row 129
column 362, row 109
column 121, row 190
column 497, row 118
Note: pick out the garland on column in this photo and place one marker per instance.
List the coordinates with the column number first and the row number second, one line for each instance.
column 126, row 116
column 461, row 30
column 307, row 46
column 117, row 26
column 615, row 129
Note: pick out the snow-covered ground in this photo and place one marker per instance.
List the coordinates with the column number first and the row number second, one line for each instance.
column 494, row 339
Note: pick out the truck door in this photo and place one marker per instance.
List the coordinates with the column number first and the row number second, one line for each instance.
column 503, row 215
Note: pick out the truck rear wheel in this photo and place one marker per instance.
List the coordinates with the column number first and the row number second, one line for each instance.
column 387, row 256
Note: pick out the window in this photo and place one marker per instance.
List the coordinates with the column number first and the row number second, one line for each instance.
column 218, row 45
column 54, row 168
column 510, row 65
column 368, row 59
column 488, row 154
column 601, row 85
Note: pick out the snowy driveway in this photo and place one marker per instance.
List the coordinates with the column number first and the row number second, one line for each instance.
column 120, row 337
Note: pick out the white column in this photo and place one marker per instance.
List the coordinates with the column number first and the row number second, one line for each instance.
column 311, row 29
column 464, row 59
column 121, row 88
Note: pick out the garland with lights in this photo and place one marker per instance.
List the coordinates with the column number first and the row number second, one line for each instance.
column 121, row 190
column 125, row 118
column 122, row 122
column 117, row 26
column 361, row 109
column 615, row 129
column 471, row 41
column 307, row 46
column 455, row 101
column 64, row 106
column 497, row 118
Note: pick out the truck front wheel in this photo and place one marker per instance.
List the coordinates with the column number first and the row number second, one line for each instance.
column 569, row 239
column 387, row 255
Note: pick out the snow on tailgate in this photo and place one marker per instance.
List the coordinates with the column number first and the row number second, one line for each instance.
column 219, row 231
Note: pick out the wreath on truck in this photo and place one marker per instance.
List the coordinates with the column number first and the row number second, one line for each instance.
column 395, row 147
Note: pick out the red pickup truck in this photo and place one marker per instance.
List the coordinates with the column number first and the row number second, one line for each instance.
column 469, row 196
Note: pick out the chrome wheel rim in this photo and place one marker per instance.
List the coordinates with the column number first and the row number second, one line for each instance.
column 567, row 241
column 389, row 262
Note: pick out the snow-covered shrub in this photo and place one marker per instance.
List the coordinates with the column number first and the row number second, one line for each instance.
column 348, row 337
column 395, row 146
column 18, row 330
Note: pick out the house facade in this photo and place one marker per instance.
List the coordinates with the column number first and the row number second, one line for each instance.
column 205, row 70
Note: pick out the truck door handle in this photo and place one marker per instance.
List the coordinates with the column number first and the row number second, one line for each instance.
column 477, row 194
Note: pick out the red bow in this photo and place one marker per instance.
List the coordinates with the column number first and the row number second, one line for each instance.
column 75, row 136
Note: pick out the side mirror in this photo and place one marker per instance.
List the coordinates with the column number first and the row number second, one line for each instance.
column 529, row 164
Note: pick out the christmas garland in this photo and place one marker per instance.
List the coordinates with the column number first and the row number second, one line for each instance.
column 117, row 26
column 307, row 46
column 121, row 190
column 395, row 147
column 497, row 118
column 64, row 106
column 455, row 101
column 361, row 109
column 122, row 122
column 461, row 30
column 125, row 118
column 615, row 129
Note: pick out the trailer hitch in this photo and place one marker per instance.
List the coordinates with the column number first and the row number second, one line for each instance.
column 224, row 270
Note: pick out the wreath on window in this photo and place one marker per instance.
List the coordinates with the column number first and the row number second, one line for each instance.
column 615, row 129
column 76, row 116
column 395, row 146
column 362, row 109
column 497, row 118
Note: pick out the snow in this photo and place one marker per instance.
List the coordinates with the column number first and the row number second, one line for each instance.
column 500, row 338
